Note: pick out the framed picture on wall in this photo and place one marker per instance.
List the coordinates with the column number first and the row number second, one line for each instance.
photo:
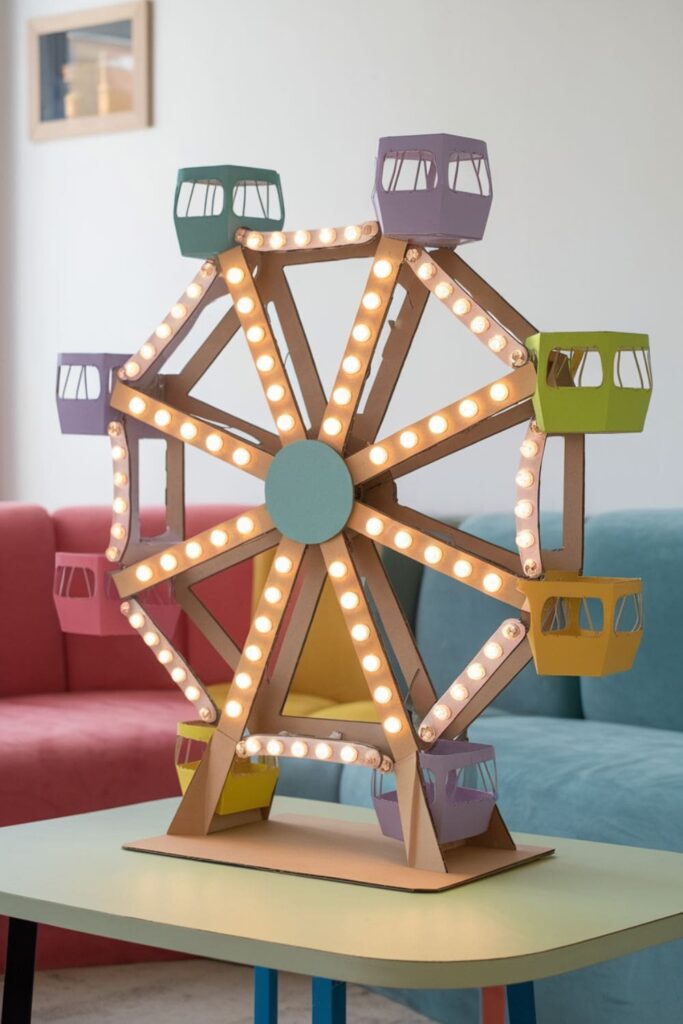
column 90, row 71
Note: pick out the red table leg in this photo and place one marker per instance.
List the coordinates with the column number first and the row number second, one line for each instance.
column 493, row 1005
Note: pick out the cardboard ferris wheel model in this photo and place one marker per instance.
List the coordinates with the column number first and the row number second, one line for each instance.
column 330, row 504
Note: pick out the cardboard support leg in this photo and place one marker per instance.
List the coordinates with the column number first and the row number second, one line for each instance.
column 197, row 808
column 419, row 834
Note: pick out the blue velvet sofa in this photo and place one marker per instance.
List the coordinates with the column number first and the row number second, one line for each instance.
column 598, row 759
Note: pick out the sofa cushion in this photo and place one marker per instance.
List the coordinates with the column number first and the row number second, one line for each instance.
column 123, row 662
column 68, row 753
column 31, row 648
column 453, row 621
column 648, row 544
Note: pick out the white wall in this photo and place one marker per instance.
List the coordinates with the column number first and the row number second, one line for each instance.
column 578, row 103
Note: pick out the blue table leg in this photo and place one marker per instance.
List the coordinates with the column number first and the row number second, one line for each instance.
column 329, row 1001
column 265, row 996
column 521, row 1003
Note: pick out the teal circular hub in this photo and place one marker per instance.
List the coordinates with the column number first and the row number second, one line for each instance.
column 309, row 492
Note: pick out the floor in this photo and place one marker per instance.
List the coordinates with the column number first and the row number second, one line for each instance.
column 183, row 991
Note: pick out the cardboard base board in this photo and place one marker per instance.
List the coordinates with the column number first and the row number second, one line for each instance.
column 349, row 851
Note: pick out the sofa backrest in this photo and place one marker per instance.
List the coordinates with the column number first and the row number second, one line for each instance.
column 123, row 662
column 31, row 643
column 646, row 544
column 453, row 621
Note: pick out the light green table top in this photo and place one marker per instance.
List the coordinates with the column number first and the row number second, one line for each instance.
column 589, row 903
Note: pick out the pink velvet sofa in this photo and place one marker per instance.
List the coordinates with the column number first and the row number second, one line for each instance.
column 89, row 722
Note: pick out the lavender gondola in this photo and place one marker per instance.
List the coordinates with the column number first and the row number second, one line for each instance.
column 84, row 382
column 461, row 787
column 433, row 190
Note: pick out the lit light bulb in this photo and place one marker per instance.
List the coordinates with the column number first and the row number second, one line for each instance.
column 112, row 554
column 348, row 754
column 461, row 306
column 351, row 365
column 118, row 453
column 137, row 620
column 253, row 745
column 265, row 363
column 192, row 692
column 525, row 539
column 433, row 554
column 392, row 725
column 493, row 650
column 462, row 568
column 218, row 538
column 242, row 680
column 255, row 334
column 299, row 748
column 233, row 709
column 163, row 331
column 459, row 692
column 275, row 393
column 262, row 624
column 178, row 311
column 524, row 509
column 285, row 423
column 360, row 632
column 524, row 478
column 323, row 751
column 283, row 564
column 403, row 539
column 272, row 595
column 438, row 424
column 151, row 638
column 468, row 408
column 275, row 747
column 492, row 582
column 148, row 350
column 234, row 275
column 443, row 290
column 162, row 417
column 371, row 663
column 214, row 442
column 194, row 290
column 245, row 305
column 511, row 630
column 352, row 233
column 188, row 431
column 338, row 570
column 241, row 457
column 349, row 600
column 193, row 549
column 479, row 324
column 165, row 656
column 332, row 426
column 302, row 237
column 382, row 269
column 120, row 479
column 408, row 439
column 426, row 271
column 378, row 455
column 476, row 671
column 442, row 712
column 132, row 368
column 137, row 405
column 342, row 396
column 371, row 300
column 374, row 526
column 382, row 694
column 327, row 235
column 499, row 391
column 120, row 505
column 254, row 240
column 179, row 675
column 361, row 332
column 253, row 653
column 277, row 239
column 529, row 448
column 118, row 531
column 168, row 562
column 497, row 343
column 245, row 525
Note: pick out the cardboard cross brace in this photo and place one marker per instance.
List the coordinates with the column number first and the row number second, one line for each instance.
column 330, row 501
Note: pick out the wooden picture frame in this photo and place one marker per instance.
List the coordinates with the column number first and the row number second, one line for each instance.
column 135, row 99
